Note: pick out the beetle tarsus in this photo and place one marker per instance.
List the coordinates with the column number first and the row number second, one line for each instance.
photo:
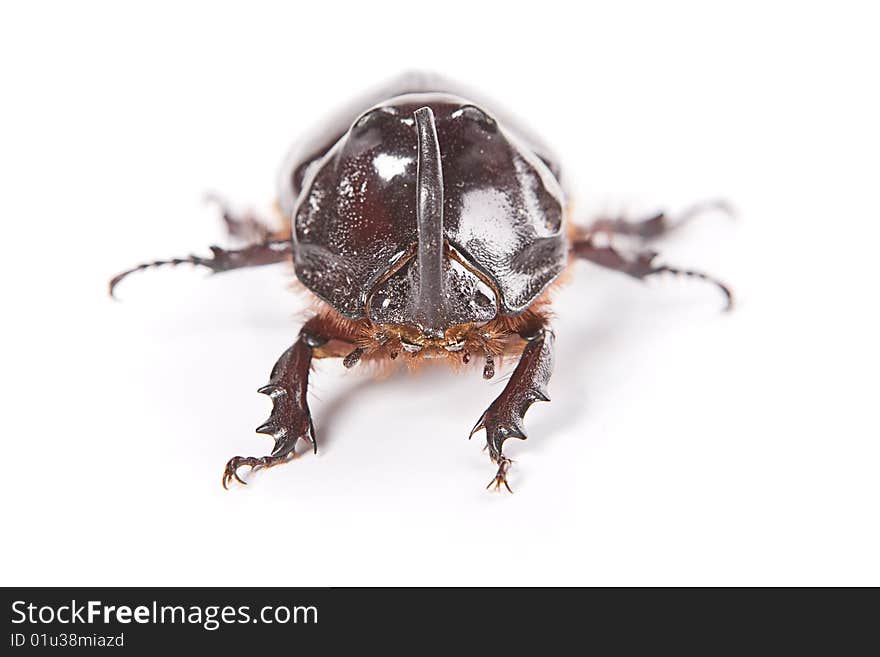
column 691, row 273
column 254, row 462
column 254, row 255
column 640, row 265
column 500, row 477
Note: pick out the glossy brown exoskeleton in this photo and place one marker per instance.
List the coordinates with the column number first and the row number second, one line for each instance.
column 428, row 227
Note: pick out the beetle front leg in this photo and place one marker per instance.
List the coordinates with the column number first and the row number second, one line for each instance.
column 291, row 419
column 528, row 384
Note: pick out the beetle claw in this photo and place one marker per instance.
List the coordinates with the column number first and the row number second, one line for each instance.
column 500, row 477
column 254, row 463
column 230, row 472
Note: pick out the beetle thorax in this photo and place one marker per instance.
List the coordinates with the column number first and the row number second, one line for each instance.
column 427, row 215
column 432, row 291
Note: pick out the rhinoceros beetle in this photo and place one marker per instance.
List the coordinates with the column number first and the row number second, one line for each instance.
column 427, row 227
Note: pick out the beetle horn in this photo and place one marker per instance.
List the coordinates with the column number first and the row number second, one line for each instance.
column 431, row 300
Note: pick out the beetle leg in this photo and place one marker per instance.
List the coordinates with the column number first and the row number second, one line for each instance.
column 658, row 225
column 255, row 255
column 290, row 419
column 528, row 384
column 640, row 265
column 247, row 226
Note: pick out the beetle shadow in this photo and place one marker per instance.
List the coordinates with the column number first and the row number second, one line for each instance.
column 421, row 391
column 331, row 410
column 587, row 344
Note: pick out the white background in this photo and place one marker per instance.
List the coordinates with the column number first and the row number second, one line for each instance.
column 682, row 446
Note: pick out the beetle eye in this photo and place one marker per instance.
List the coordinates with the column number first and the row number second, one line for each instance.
column 411, row 347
